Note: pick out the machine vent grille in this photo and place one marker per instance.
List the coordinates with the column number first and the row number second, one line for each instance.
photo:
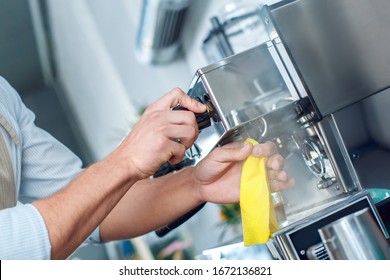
column 169, row 28
column 320, row 252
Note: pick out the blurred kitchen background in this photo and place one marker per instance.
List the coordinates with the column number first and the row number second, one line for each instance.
column 88, row 68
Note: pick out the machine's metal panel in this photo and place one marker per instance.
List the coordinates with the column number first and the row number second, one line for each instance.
column 341, row 48
column 296, row 239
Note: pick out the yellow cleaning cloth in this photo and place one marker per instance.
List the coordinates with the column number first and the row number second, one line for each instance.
column 257, row 212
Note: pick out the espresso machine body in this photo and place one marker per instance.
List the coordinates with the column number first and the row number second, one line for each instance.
column 318, row 89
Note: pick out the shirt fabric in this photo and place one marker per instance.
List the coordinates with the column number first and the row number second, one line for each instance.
column 42, row 166
column 7, row 178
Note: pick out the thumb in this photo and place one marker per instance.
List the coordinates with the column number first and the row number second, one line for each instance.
column 231, row 153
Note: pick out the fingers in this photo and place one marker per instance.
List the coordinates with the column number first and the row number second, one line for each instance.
column 275, row 162
column 179, row 126
column 181, row 117
column 280, row 175
column 231, row 152
column 277, row 177
column 276, row 185
column 190, row 103
column 265, row 149
column 177, row 96
column 279, row 180
column 177, row 152
column 183, row 134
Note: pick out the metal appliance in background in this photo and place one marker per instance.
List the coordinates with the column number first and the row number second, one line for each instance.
column 318, row 89
column 355, row 236
column 236, row 28
column 159, row 32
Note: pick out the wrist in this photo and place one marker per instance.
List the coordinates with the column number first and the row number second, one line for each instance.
column 197, row 185
column 117, row 169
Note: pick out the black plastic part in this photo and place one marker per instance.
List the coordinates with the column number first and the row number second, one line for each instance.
column 181, row 220
column 202, row 119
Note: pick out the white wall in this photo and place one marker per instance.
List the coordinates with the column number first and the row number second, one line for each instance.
column 104, row 82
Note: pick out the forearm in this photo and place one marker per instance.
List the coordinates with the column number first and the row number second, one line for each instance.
column 73, row 213
column 150, row 204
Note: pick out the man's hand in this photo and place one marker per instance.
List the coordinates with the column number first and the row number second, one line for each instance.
column 277, row 177
column 161, row 134
column 218, row 175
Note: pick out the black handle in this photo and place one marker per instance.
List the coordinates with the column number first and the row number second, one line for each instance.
column 168, row 168
column 202, row 119
column 181, row 220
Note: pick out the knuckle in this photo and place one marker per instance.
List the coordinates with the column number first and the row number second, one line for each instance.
column 270, row 147
column 176, row 91
column 151, row 115
column 192, row 132
column 271, row 162
column 160, row 142
column 182, row 150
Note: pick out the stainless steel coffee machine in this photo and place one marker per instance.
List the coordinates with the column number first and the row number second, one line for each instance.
column 319, row 89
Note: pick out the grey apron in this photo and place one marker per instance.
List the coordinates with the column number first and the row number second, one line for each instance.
column 7, row 179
